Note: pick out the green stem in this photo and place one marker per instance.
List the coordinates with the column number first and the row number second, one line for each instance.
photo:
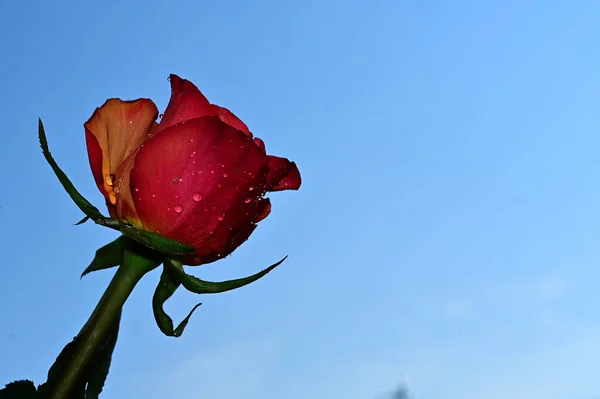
column 137, row 261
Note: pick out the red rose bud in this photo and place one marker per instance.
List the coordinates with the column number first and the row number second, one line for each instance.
column 197, row 177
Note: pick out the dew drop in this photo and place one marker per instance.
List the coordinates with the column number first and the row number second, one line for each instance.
column 250, row 188
column 168, row 209
column 137, row 189
column 109, row 180
column 197, row 197
column 180, row 180
column 219, row 185
column 214, row 208
column 178, row 208
column 220, row 218
column 212, row 171
column 225, row 175
column 153, row 195
column 161, row 116
column 248, row 200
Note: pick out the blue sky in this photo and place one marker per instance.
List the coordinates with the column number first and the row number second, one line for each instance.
column 446, row 235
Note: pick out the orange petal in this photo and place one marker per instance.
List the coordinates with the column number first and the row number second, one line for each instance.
column 119, row 127
column 125, row 206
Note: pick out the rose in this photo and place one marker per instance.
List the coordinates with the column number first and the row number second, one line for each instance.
column 198, row 176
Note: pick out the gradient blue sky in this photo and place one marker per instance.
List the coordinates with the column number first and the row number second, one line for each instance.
column 446, row 234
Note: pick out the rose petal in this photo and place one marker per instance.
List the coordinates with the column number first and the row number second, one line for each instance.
column 125, row 204
column 187, row 102
column 118, row 128
column 260, row 144
column 228, row 117
column 194, row 183
column 263, row 209
column 95, row 158
column 282, row 175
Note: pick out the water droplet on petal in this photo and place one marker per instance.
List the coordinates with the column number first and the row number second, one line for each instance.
column 248, row 200
column 161, row 116
column 214, row 208
column 168, row 209
column 220, row 218
column 219, row 185
column 109, row 180
column 137, row 189
column 197, row 197
column 131, row 122
column 225, row 175
column 212, row 171
column 250, row 188
column 180, row 180
column 178, row 208
column 153, row 195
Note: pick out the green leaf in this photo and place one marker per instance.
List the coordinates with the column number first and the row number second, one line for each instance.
column 88, row 209
column 90, row 383
column 78, row 390
column 22, row 389
column 156, row 242
column 106, row 257
column 167, row 285
column 195, row 285
column 97, row 369
column 82, row 221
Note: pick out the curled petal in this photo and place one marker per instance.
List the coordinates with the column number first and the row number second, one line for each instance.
column 114, row 131
column 228, row 117
column 263, row 209
column 187, row 102
column 125, row 205
column 282, row 175
column 260, row 144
